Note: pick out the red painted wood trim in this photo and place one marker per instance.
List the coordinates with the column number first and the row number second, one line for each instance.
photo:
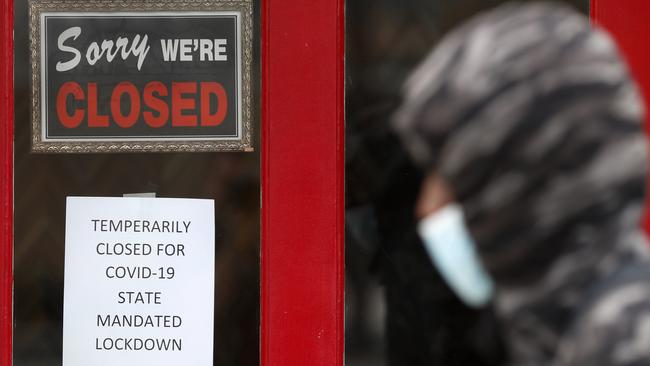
column 6, row 179
column 302, row 183
column 593, row 10
column 628, row 21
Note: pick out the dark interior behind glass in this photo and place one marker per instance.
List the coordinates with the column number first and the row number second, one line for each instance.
column 398, row 311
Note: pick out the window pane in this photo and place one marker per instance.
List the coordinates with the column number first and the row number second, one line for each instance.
column 399, row 312
column 43, row 181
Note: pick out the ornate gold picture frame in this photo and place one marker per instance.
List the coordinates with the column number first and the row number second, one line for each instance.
column 141, row 76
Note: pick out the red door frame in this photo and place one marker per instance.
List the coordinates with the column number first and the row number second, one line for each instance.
column 6, row 179
column 628, row 22
column 302, row 185
column 302, row 182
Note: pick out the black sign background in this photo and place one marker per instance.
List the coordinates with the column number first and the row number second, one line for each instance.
column 108, row 75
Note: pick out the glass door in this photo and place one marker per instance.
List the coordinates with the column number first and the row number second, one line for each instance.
column 399, row 311
column 277, row 262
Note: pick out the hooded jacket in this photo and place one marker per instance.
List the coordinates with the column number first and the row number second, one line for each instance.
column 530, row 115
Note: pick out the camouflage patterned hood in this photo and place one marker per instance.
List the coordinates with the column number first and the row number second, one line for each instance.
column 530, row 115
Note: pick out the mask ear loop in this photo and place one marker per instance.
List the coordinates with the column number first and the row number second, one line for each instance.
column 453, row 252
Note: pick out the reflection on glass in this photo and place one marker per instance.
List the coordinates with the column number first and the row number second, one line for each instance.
column 399, row 312
column 42, row 183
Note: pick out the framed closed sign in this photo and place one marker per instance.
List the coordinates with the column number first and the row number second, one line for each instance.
column 169, row 76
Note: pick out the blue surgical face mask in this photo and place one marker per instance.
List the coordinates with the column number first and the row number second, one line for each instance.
column 453, row 252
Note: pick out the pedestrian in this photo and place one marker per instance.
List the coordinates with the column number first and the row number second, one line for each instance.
column 528, row 127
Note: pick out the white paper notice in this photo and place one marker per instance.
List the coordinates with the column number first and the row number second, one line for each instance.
column 139, row 282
